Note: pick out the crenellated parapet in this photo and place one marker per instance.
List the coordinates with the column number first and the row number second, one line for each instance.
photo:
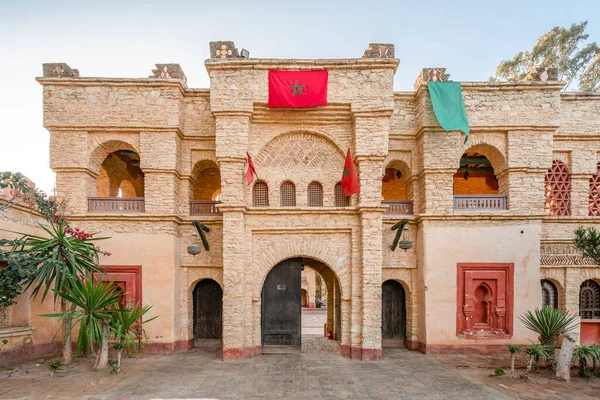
column 59, row 70
column 379, row 50
column 169, row 71
column 436, row 74
column 223, row 49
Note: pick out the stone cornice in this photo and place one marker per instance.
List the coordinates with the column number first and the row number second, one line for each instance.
column 300, row 64
column 333, row 113
column 490, row 128
column 555, row 86
column 578, row 96
column 135, row 129
column 75, row 169
column 107, row 82
column 385, row 113
column 369, row 157
column 504, row 215
column 575, row 137
column 232, row 113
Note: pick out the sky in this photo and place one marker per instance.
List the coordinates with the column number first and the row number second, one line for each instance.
column 126, row 38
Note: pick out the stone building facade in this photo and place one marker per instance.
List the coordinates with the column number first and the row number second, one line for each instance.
column 140, row 159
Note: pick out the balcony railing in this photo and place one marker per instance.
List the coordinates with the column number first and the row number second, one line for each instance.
column 404, row 207
column 480, row 202
column 204, row 207
column 116, row 204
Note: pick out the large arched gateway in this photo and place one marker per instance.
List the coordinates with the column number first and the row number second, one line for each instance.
column 281, row 301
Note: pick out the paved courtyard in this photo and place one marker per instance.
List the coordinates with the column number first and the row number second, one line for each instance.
column 318, row 373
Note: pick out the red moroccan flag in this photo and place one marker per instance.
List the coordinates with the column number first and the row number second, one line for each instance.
column 297, row 89
column 250, row 170
column 349, row 179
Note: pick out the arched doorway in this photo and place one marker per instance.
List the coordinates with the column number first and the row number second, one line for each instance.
column 393, row 314
column 281, row 307
column 304, row 298
column 208, row 311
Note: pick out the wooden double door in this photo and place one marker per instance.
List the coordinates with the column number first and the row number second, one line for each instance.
column 281, row 317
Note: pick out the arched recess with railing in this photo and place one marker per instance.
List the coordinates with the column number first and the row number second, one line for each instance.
column 557, row 189
column 397, row 188
column 480, row 182
column 205, row 188
column 594, row 198
column 119, row 185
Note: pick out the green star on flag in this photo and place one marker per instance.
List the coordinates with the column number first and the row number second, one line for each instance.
column 297, row 89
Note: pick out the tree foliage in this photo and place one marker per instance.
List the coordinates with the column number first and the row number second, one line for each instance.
column 588, row 242
column 564, row 48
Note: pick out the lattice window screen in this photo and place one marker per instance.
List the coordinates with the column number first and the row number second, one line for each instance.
column 340, row 199
column 260, row 194
column 315, row 195
column 4, row 317
column 558, row 189
column 549, row 294
column 594, row 203
column 287, row 194
column 589, row 300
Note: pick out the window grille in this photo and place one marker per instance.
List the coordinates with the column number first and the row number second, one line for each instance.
column 287, row 194
column 4, row 317
column 315, row 195
column 549, row 294
column 589, row 300
column 260, row 194
column 558, row 189
column 594, row 203
column 340, row 199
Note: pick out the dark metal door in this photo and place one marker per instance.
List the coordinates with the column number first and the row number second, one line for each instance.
column 393, row 311
column 208, row 310
column 281, row 313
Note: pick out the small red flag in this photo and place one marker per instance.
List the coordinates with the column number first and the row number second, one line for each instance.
column 349, row 179
column 297, row 89
column 250, row 170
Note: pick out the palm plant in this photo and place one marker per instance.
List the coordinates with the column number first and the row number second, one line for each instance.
column 513, row 350
column 535, row 352
column 126, row 325
column 94, row 302
column 583, row 355
column 55, row 262
column 549, row 322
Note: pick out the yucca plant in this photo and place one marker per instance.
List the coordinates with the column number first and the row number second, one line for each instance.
column 54, row 262
column 549, row 322
column 583, row 355
column 126, row 326
column 94, row 302
column 535, row 352
column 513, row 350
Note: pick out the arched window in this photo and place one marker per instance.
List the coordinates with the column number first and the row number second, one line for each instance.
column 287, row 194
column 340, row 199
column 260, row 194
column 558, row 189
column 589, row 300
column 549, row 294
column 315, row 195
column 594, row 203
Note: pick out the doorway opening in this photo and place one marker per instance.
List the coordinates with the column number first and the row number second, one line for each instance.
column 300, row 302
column 393, row 314
column 208, row 314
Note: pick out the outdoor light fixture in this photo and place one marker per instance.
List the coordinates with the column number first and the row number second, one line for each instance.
column 245, row 53
column 194, row 249
column 404, row 244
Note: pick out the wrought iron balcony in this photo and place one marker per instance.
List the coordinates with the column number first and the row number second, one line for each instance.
column 480, row 202
column 404, row 207
column 204, row 207
column 116, row 204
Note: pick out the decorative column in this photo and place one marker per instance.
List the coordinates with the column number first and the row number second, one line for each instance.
column 371, row 130
column 231, row 145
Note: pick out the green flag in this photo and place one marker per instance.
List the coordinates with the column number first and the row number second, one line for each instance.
column 448, row 106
